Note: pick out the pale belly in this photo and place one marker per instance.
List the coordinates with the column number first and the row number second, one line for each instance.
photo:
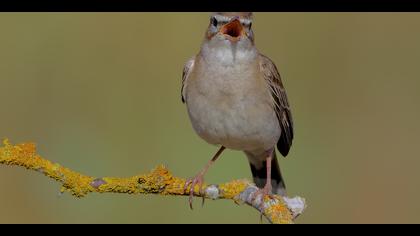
column 237, row 117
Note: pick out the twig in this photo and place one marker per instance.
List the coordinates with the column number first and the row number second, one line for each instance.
column 158, row 181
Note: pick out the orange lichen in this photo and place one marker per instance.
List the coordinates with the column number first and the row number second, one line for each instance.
column 158, row 181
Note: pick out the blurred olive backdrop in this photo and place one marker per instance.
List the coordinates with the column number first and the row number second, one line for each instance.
column 100, row 93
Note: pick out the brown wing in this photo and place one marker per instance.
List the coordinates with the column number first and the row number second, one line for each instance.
column 284, row 115
column 185, row 73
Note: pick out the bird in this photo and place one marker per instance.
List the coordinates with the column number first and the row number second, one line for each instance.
column 236, row 100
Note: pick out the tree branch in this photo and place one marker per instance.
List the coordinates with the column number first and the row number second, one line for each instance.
column 158, row 181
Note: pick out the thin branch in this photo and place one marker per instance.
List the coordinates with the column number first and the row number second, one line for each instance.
column 158, row 181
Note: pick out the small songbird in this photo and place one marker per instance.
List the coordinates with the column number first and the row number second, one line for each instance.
column 236, row 100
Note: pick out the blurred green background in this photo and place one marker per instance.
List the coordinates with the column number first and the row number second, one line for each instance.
column 100, row 93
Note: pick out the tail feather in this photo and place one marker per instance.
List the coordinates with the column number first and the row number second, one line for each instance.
column 259, row 173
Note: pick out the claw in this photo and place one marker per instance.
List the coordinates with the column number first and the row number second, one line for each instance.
column 264, row 192
column 188, row 182
column 198, row 179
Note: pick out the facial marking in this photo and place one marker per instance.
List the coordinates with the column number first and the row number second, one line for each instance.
column 246, row 22
column 222, row 19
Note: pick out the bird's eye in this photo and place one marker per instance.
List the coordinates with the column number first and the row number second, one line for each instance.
column 214, row 21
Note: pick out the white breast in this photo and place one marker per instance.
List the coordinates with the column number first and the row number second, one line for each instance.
column 229, row 104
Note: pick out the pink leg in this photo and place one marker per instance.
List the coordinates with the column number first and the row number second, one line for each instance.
column 199, row 178
column 267, row 190
column 268, row 183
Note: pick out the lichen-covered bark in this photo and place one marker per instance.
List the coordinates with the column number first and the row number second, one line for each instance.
column 158, row 181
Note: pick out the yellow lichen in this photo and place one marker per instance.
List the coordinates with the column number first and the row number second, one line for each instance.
column 231, row 189
column 279, row 213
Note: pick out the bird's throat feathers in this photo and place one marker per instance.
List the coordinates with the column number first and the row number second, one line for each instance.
column 228, row 54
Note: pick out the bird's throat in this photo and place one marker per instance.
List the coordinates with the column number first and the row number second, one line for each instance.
column 229, row 54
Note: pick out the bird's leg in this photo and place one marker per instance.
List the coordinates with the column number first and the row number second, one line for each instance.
column 267, row 190
column 199, row 178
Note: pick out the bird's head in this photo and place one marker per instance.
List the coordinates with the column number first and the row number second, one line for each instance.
column 230, row 28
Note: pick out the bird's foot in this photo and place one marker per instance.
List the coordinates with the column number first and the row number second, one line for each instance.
column 263, row 194
column 197, row 180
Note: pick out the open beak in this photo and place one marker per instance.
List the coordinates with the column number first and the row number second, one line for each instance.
column 233, row 30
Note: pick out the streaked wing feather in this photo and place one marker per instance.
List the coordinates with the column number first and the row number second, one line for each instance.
column 282, row 108
column 185, row 73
